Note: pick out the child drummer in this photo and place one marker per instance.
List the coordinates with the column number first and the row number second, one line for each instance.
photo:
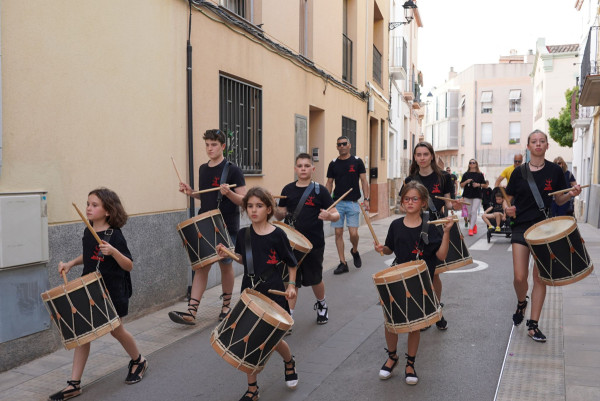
column 405, row 241
column 308, row 219
column 268, row 246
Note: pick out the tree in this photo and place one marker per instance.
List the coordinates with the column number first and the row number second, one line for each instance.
column 560, row 128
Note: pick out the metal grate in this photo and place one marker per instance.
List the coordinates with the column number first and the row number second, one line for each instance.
column 349, row 130
column 347, row 59
column 376, row 65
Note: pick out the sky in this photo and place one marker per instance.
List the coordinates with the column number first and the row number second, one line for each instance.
column 460, row 33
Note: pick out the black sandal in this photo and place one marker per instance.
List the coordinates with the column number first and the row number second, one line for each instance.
column 291, row 379
column 138, row 373
column 184, row 317
column 66, row 394
column 442, row 324
column 538, row 336
column 519, row 315
column 226, row 303
column 386, row 372
column 410, row 378
column 251, row 395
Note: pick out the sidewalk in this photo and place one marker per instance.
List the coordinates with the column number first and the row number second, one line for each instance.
column 565, row 368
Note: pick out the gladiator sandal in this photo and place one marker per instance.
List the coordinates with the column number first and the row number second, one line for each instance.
column 538, row 336
column 251, row 395
column 188, row 317
column 519, row 315
column 386, row 372
column 442, row 324
column 410, row 378
column 226, row 302
column 138, row 373
column 67, row 393
column 291, row 379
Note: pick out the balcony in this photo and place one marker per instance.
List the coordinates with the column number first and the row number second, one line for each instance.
column 590, row 78
column 347, row 59
column 377, row 70
column 398, row 58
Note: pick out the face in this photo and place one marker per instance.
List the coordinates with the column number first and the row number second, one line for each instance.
column 518, row 160
column 448, row 170
column 304, row 169
column 538, row 144
column 472, row 164
column 95, row 209
column 214, row 149
column 423, row 156
column 343, row 146
column 257, row 210
column 499, row 200
column 412, row 201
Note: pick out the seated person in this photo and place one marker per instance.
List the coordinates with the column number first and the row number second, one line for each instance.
column 496, row 211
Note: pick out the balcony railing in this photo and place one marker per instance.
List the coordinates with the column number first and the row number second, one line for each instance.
column 376, row 65
column 347, row 59
column 399, row 48
column 589, row 63
column 417, row 92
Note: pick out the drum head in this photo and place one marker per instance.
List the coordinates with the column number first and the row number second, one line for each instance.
column 194, row 219
column 399, row 272
column 551, row 229
column 296, row 238
column 267, row 309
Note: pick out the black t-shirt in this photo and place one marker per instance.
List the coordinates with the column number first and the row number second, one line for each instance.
column 469, row 191
column 114, row 276
column 548, row 179
column 498, row 208
column 453, row 179
column 434, row 187
column 405, row 243
column 308, row 222
column 486, row 195
column 346, row 174
column 210, row 177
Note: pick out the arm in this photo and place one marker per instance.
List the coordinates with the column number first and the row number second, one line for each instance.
column 280, row 212
column 383, row 249
column 365, row 188
column 236, row 195
column 186, row 189
column 329, row 185
column 561, row 199
column 67, row 266
column 331, row 215
column 498, row 181
column 442, row 252
column 123, row 261
column 291, row 288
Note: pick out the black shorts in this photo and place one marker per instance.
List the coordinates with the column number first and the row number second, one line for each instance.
column 518, row 232
column 310, row 271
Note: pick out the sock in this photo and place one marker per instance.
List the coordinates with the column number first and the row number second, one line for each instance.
column 291, row 312
column 323, row 304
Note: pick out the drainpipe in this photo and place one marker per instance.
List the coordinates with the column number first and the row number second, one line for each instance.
column 0, row 112
column 190, row 133
column 475, row 123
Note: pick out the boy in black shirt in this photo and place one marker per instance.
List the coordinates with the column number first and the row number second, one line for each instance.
column 308, row 220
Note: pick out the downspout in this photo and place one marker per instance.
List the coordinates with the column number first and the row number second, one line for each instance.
column 0, row 108
column 475, row 123
column 190, row 133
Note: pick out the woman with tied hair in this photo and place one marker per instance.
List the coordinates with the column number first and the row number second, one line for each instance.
column 567, row 209
column 472, row 182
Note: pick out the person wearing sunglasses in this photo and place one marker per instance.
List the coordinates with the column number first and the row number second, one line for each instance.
column 517, row 161
column 472, row 182
column 346, row 171
column 567, row 209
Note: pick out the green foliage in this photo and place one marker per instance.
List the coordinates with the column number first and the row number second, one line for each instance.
column 560, row 128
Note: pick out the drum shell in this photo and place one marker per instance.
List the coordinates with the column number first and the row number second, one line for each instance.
column 247, row 337
column 299, row 243
column 407, row 297
column 91, row 320
column 553, row 252
column 458, row 253
column 201, row 234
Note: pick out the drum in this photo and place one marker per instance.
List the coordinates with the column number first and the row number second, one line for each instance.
column 201, row 235
column 559, row 251
column 299, row 243
column 248, row 335
column 81, row 310
column 407, row 297
column 458, row 253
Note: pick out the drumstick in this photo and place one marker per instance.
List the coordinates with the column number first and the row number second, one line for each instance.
column 64, row 276
column 176, row 171
column 231, row 254
column 444, row 220
column 452, row 200
column 212, row 189
column 562, row 191
column 337, row 201
column 87, row 223
column 279, row 197
column 368, row 220
column 276, row 292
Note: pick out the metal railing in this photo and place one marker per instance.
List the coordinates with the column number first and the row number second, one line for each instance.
column 399, row 49
column 589, row 62
column 235, row 6
column 347, row 59
column 377, row 71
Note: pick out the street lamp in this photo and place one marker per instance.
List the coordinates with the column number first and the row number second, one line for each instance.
column 409, row 9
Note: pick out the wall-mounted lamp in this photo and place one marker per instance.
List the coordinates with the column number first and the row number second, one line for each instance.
column 409, row 10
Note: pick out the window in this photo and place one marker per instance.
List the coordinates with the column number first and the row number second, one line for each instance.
column 240, row 115
column 462, row 135
column 349, row 130
column 306, row 26
column 235, row 6
column 486, row 133
column 486, row 102
column 346, row 47
column 377, row 66
column 514, row 132
column 514, row 101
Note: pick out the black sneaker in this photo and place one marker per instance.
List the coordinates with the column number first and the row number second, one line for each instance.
column 356, row 257
column 342, row 268
column 322, row 315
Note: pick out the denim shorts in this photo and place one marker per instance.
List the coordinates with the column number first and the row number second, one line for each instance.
column 348, row 210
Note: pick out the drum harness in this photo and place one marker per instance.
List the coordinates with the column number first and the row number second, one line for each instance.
column 250, row 262
column 106, row 237
column 423, row 236
column 291, row 218
column 526, row 172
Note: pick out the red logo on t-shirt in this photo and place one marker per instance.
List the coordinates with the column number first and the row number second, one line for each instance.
column 309, row 201
column 97, row 255
column 351, row 170
column 215, row 182
column 436, row 189
column 417, row 251
column 548, row 186
column 272, row 258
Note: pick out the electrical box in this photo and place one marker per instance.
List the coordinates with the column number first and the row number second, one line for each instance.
column 23, row 229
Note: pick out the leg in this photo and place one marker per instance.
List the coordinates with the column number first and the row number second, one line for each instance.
column 138, row 364
column 538, row 295
column 485, row 218
column 410, row 374
column 198, row 287
column 354, row 238
column 321, row 305
column 252, row 392
column 520, row 271
column 291, row 377
column 227, row 280
column 391, row 340
column 73, row 388
column 353, row 223
column 442, row 324
column 339, row 243
column 475, row 204
column 498, row 217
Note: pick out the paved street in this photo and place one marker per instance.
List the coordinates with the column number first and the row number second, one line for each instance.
column 341, row 360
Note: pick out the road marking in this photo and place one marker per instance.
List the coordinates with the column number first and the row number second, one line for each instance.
column 479, row 266
column 509, row 248
column 481, row 245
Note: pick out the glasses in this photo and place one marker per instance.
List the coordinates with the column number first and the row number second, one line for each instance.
column 408, row 199
column 518, row 161
column 472, row 162
column 340, row 144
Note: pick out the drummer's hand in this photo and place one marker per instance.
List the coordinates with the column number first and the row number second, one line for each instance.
column 448, row 225
column 225, row 189
column 576, row 190
column 220, row 251
column 106, row 248
column 456, row 205
column 290, row 291
column 378, row 247
column 367, row 205
column 62, row 266
column 185, row 188
column 511, row 211
column 324, row 215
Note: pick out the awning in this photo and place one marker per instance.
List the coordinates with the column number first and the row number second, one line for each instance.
column 486, row 97
column 514, row 94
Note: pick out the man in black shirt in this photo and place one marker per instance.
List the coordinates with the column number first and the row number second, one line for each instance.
column 227, row 201
column 454, row 183
column 308, row 220
column 346, row 170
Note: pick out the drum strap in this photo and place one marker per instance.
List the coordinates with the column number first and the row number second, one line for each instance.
column 430, row 203
column 249, row 258
column 425, row 228
column 223, row 181
column 526, row 173
column 302, row 201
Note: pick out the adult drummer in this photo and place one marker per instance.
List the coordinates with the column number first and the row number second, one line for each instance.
column 308, row 220
column 227, row 201
column 425, row 170
column 547, row 177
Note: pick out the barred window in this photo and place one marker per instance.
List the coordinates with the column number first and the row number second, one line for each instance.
column 240, row 116
column 349, row 130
